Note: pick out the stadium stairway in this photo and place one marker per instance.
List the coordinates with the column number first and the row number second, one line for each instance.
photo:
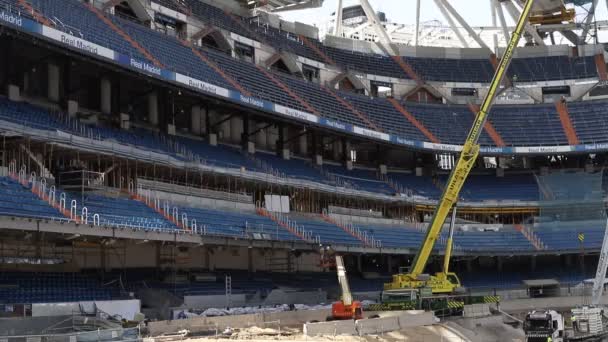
column 37, row 15
column 123, row 34
column 348, row 230
column 163, row 211
column 564, row 118
column 17, row 199
column 364, row 117
column 288, row 90
column 600, row 63
column 407, row 68
column 534, row 239
column 401, row 109
column 316, row 49
column 289, row 225
column 488, row 127
column 213, row 66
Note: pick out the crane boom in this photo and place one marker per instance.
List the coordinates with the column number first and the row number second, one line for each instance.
column 470, row 151
column 347, row 297
column 600, row 273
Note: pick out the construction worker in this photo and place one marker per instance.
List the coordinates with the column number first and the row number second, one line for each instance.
column 574, row 323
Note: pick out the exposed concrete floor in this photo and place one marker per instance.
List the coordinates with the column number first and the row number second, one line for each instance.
column 488, row 329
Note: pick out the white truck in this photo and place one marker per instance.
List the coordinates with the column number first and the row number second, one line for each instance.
column 539, row 325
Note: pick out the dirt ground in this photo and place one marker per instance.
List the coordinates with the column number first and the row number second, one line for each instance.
column 434, row 333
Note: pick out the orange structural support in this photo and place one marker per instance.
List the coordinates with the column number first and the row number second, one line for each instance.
column 217, row 69
column 358, row 113
column 329, row 219
column 564, row 117
column 407, row 68
column 37, row 15
column 600, row 63
column 124, row 35
column 398, row 106
column 265, row 213
column 283, row 86
column 489, row 128
column 316, row 49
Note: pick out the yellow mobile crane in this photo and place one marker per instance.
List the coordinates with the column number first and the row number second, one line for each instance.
column 446, row 282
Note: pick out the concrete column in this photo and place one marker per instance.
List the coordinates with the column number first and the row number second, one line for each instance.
column 106, row 96
column 389, row 264
column 260, row 136
column 236, row 129
column 206, row 258
column 303, row 144
column 272, row 136
column 499, row 263
column 72, row 108
column 250, row 266
column 568, row 260
column 533, row 263
column 211, row 261
column 359, row 263
column 53, row 82
column 337, row 150
column 195, row 118
column 224, row 129
column 153, row 109
column 14, row 93
column 469, row 264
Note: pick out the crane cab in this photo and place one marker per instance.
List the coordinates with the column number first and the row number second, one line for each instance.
column 440, row 283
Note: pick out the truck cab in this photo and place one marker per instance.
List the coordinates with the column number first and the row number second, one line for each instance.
column 541, row 324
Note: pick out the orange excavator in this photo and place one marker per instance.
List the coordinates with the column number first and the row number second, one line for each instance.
column 346, row 308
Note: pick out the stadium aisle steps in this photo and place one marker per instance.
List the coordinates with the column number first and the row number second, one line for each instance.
column 489, row 128
column 291, row 93
column 564, row 118
column 316, row 49
column 37, row 15
column 401, row 109
column 364, row 117
column 123, row 34
column 407, row 68
column 17, row 199
column 329, row 219
column 266, row 213
column 218, row 70
column 601, row 67
column 167, row 216
column 534, row 239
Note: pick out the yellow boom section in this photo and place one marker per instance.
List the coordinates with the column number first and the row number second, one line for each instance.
column 469, row 153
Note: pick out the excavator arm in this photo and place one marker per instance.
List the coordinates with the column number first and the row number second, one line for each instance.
column 468, row 156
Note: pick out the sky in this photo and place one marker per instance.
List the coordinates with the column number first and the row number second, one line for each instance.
column 475, row 12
